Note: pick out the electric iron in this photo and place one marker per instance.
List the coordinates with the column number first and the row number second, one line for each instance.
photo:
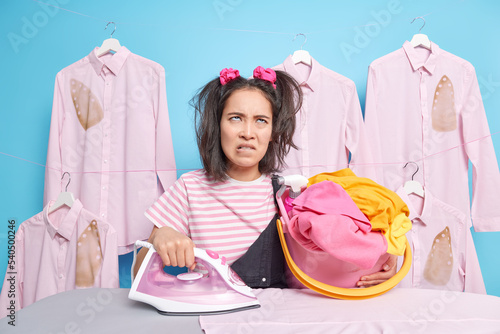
column 221, row 290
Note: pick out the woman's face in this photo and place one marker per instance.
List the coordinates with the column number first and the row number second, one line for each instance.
column 246, row 128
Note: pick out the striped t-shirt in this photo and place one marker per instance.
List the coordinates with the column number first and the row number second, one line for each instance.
column 226, row 217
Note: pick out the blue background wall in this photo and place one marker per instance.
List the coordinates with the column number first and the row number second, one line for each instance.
column 193, row 40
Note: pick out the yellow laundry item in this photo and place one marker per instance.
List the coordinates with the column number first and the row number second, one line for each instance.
column 386, row 211
column 396, row 234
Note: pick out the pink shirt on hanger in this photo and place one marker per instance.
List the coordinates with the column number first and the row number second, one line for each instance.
column 329, row 124
column 67, row 249
column 110, row 130
column 444, row 256
column 425, row 106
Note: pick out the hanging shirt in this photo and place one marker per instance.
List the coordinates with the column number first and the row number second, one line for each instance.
column 226, row 217
column 444, row 257
column 329, row 124
column 110, row 130
column 425, row 106
column 67, row 249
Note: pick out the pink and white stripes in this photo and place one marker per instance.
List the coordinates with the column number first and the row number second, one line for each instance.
column 226, row 217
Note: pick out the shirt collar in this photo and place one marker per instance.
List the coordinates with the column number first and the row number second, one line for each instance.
column 312, row 81
column 113, row 63
column 427, row 209
column 416, row 62
column 67, row 225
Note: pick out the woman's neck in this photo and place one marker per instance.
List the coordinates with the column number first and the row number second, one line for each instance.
column 244, row 174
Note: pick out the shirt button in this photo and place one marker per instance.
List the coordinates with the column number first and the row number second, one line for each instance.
column 105, row 161
column 264, row 279
column 104, row 188
column 102, row 214
column 61, row 276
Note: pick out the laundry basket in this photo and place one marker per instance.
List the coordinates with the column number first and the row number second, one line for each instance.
column 323, row 272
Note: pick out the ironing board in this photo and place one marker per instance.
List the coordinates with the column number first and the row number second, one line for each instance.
column 398, row 311
column 282, row 311
column 96, row 311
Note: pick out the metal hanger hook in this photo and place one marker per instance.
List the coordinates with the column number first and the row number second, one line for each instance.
column 113, row 29
column 69, row 180
column 423, row 25
column 416, row 165
column 305, row 40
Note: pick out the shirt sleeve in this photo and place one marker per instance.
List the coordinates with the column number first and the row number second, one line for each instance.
column 481, row 153
column 53, row 169
column 474, row 282
column 357, row 139
column 109, row 270
column 165, row 159
column 172, row 208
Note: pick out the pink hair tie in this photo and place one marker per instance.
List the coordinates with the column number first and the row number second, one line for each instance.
column 228, row 74
column 267, row 74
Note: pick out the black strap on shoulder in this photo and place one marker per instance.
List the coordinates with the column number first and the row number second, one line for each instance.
column 263, row 265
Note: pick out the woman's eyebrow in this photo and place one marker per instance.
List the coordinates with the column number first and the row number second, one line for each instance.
column 235, row 113
column 262, row 116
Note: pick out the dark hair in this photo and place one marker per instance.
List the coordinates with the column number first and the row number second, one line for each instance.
column 209, row 103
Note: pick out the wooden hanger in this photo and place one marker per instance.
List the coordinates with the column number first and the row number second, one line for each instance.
column 64, row 198
column 110, row 44
column 301, row 56
column 413, row 187
column 420, row 39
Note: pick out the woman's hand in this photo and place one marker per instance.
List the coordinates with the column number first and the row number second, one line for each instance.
column 174, row 248
column 389, row 269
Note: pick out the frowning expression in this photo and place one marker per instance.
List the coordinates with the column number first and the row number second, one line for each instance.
column 246, row 130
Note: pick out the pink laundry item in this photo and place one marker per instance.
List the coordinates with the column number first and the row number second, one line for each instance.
column 325, row 218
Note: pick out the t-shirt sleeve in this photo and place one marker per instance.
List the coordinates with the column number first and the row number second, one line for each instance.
column 172, row 208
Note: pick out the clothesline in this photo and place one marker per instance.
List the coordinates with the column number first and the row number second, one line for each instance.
column 221, row 29
column 190, row 169
column 240, row 30
column 190, row 28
